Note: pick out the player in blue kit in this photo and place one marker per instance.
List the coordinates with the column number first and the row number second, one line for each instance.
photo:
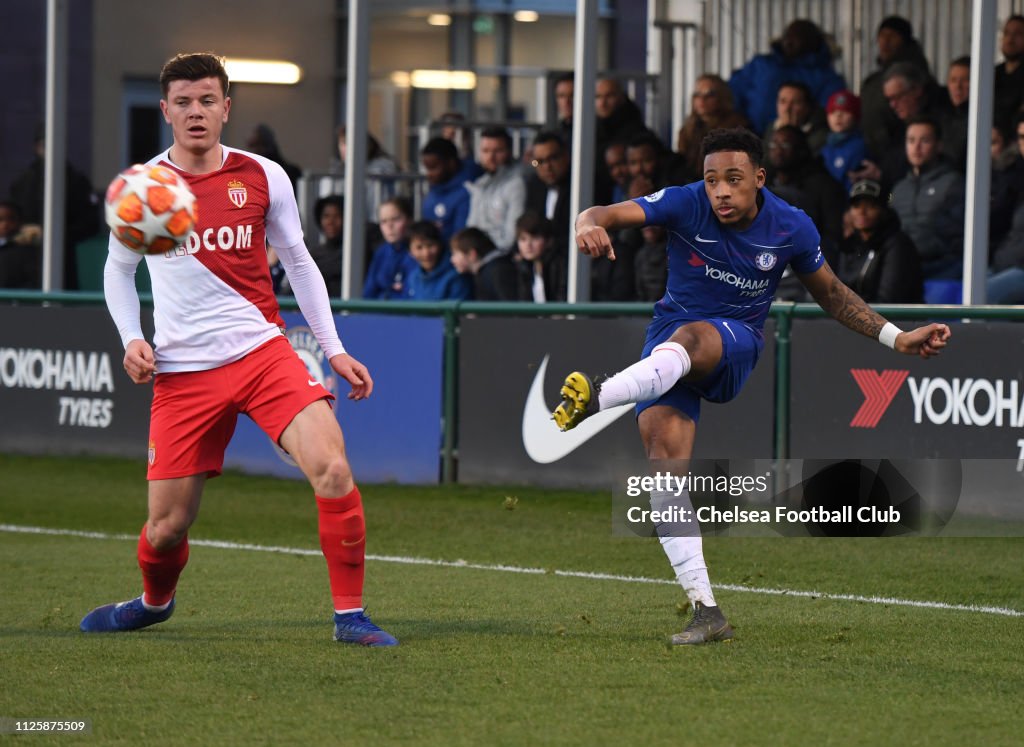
column 730, row 240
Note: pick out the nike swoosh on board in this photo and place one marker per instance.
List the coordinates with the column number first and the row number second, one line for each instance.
column 543, row 442
column 705, row 241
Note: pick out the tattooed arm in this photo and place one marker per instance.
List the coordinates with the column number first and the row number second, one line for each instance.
column 850, row 310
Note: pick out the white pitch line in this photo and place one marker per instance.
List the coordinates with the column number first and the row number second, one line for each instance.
column 405, row 560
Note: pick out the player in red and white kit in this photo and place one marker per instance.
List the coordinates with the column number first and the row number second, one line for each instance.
column 220, row 351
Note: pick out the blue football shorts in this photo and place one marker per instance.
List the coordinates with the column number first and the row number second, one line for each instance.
column 741, row 347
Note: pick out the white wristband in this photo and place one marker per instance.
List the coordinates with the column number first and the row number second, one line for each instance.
column 888, row 335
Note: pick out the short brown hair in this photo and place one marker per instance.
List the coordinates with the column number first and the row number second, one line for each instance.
column 194, row 66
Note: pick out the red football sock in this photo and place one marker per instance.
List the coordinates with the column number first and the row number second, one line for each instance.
column 343, row 542
column 160, row 570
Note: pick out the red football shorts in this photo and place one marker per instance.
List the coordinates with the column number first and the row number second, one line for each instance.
column 194, row 412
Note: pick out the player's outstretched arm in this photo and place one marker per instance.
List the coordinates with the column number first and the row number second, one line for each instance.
column 355, row 373
column 593, row 224
column 850, row 310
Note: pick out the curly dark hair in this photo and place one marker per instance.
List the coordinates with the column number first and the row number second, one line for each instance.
column 738, row 139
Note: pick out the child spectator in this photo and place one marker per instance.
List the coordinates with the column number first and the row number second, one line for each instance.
column 391, row 264
column 845, row 149
column 542, row 270
column 494, row 274
column 447, row 201
column 434, row 278
column 329, row 213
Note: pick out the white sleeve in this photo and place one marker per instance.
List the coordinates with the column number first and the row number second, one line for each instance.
column 311, row 293
column 120, row 294
column 282, row 221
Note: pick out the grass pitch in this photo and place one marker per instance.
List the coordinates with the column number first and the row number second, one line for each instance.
column 490, row 656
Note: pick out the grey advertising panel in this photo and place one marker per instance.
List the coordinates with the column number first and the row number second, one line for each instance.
column 852, row 398
column 63, row 389
column 509, row 376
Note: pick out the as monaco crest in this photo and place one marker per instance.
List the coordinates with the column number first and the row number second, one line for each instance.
column 237, row 193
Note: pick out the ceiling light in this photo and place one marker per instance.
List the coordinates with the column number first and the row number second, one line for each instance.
column 462, row 80
column 526, row 16
column 439, row 19
column 263, row 71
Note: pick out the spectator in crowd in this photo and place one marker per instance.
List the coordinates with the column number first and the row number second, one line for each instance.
column 565, row 85
column 1006, row 284
column 21, row 258
column 845, row 149
column 618, row 170
column 619, row 119
column 878, row 261
column 954, row 121
column 453, row 127
column 799, row 178
column 1004, row 187
column 929, row 201
column 329, row 213
column 1009, row 80
column 911, row 94
column 650, row 264
column 896, row 43
column 379, row 165
column 81, row 207
column 803, row 55
column 647, row 156
column 263, row 142
column 497, row 198
column 542, row 271
column 447, row 201
column 615, row 280
column 547, row 189
column 795, row 107
column 711, row 109
column 391, row 265
column 433, row 278
column 493, row 271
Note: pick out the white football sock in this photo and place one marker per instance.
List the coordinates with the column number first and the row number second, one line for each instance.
column 686, row 554
column 154, row 607
column 647, row 379
column 681, row 540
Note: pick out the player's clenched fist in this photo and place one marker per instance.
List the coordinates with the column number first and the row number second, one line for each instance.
column 594, row 241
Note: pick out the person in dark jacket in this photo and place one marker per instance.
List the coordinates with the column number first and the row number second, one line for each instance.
column 329, row 212
column 1006, row 285
column 878, row 261
column 896, row 43
column 930, row 203
column 800, row 179
column 494, row 275
column 542, row 271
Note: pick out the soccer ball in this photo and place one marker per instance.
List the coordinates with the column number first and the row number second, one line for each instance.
column 150, row 209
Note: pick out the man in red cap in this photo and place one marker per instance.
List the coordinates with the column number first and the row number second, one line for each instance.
column 845, row 149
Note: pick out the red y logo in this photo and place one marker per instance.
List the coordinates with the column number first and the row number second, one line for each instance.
column 879, row 390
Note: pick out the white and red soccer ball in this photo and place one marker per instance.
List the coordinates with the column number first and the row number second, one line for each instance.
column 150, row 209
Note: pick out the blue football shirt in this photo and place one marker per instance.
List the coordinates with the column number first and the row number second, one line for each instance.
column 718, row 272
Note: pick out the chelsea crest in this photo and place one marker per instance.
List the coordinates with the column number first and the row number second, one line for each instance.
column 765, row 260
